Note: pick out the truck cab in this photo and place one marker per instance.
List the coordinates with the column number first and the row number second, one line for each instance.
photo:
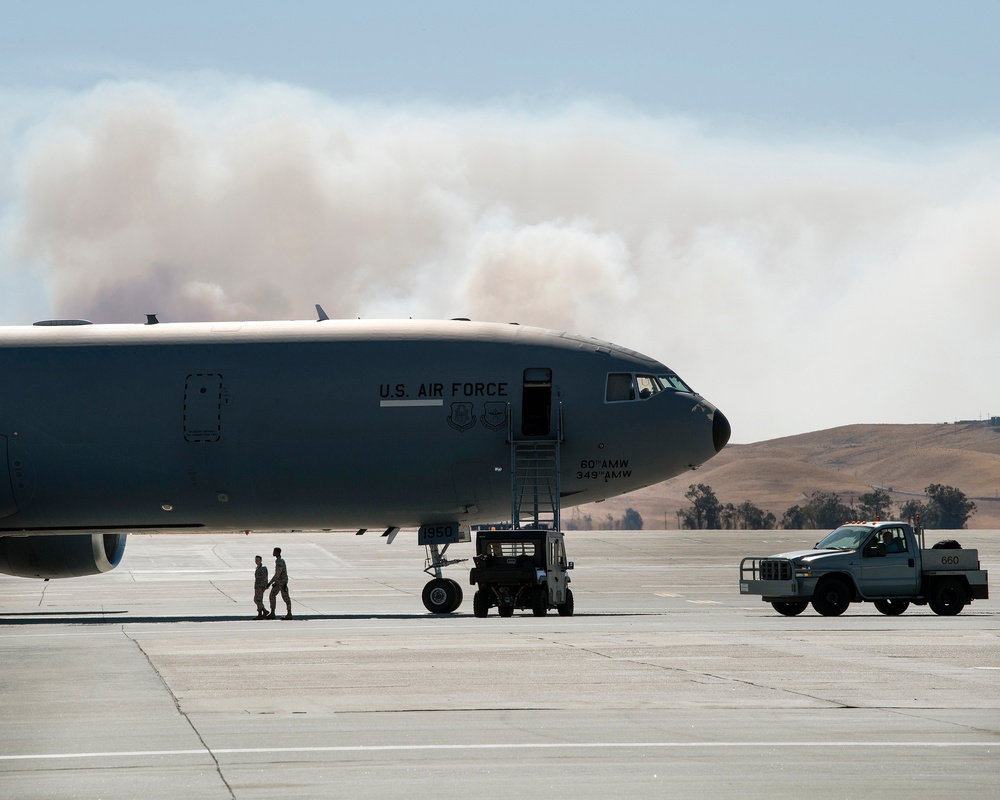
column 884, row 563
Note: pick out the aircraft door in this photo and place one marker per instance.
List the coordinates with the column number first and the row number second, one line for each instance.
column 203, row 407
column 8, row 506
column 536, row 402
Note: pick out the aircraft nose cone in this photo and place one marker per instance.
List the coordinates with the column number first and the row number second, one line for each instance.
column 721, row 430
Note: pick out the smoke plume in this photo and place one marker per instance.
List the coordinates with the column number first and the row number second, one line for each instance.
column 797, row 284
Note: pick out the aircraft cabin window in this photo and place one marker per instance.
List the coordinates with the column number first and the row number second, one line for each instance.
column 619, row 387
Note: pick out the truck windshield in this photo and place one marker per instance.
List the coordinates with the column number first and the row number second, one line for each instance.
column 846, row 537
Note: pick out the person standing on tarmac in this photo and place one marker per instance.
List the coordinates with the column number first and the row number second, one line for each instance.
column 259, row 585
column 279, row 583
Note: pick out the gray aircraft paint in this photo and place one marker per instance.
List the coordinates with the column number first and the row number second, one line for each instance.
column 312, row 425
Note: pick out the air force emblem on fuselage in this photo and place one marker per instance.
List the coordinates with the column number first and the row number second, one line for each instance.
column 461, row 418
column 495, row 416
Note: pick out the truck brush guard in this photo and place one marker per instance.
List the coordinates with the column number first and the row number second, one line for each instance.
column 766, row 569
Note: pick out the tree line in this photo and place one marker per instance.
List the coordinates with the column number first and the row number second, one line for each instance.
column 945, row 508
column 630, row 521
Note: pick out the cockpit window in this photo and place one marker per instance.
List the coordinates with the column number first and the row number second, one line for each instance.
column 648, row 386
column 624, row 386
column 675, row 383
column 619, row 387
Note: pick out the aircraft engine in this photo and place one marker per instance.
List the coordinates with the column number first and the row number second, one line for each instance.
column 61, row 556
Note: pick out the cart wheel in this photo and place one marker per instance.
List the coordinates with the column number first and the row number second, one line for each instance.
column 566, row 609
column 481, row 603
column 540, row 602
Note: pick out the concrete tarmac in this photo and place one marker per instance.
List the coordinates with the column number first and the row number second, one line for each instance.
column 153, row 680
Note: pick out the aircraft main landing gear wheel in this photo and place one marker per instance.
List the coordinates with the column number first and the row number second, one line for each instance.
column 442, row 596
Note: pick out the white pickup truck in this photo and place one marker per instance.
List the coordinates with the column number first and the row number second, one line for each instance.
column 884, row 563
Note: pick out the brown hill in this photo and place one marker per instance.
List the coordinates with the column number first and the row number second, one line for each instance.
column 780, row 473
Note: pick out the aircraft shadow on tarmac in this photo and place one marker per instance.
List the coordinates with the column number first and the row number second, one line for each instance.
column 122, row 618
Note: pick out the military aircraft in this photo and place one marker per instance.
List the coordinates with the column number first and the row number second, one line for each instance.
column 321, row 425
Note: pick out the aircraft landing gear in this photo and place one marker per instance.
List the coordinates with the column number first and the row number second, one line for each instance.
column 441, row 595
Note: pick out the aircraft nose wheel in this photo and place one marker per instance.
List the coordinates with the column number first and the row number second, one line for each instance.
column 442, row 596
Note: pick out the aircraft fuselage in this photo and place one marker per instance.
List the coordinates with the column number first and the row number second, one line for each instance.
column 319, row 425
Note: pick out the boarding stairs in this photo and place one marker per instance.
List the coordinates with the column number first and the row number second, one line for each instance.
column 535, row 487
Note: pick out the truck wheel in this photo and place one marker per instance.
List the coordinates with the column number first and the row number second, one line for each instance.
column 832, row 597
column 505, row 610
column 481, row 603
column 442, row 596
column 947, row 597
column 790, row 609
column 892, row 608
column 540, row 602
column 566, row 609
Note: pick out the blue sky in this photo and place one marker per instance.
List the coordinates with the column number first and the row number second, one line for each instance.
column 914, row 67
column 768, row 194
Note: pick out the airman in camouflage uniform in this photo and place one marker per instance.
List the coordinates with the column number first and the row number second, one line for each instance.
column 279, row 583
column 259, row 585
